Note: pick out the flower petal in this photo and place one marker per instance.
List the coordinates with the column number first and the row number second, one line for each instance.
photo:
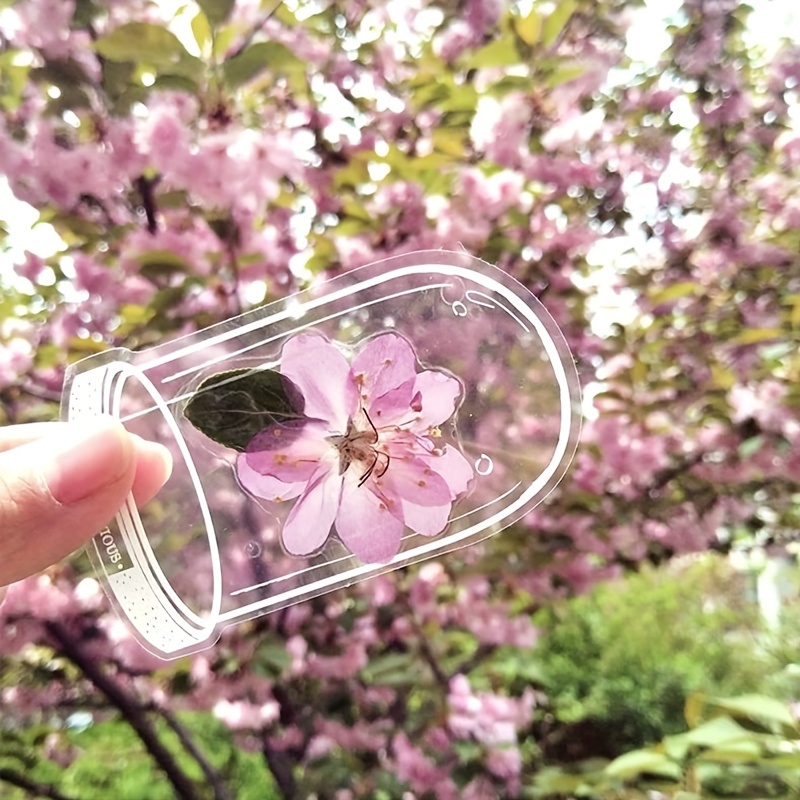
column 439, row 393
column 290, row 452
column 365, row 524
column 412, row 479
column 309, row 522
column 393, row 407
column 265, row 486
column 383, row 364
column 453, row 467
column 321, row 372
column 427, row 520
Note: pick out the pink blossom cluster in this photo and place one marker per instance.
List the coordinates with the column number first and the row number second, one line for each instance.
column 16, row 351
column 479, row 17
column 493, row 721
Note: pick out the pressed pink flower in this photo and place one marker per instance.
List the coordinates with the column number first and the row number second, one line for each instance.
column 367, row 458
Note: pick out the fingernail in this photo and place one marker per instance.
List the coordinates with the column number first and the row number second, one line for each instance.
column 154, row 449
column 86, row 461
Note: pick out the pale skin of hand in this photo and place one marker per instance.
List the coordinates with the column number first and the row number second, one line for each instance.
column 61, row 483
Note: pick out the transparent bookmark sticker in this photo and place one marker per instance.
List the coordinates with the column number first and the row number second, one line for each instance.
column 390, row 415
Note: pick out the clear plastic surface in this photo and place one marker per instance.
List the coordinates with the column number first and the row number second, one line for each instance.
column 390, row 415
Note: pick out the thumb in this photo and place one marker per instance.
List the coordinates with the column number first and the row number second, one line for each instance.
column 58, row 491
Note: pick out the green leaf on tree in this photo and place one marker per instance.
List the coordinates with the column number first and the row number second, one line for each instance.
column 529, row 28
column 392, row 669
column 650, row 761
column 232, row 407
column 201, row 29
column 499, row 53
column 256, row 59
column 557, row 21
column 143, row 42
column 63, row 73
column 140, row 41
column 217, row 11
column 674, row 291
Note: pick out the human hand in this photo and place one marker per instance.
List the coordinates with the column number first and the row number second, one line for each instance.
column 60, row 483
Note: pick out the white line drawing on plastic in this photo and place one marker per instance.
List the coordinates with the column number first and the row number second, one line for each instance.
column 252, row 549
column 488, row 465
column 135, row 535
column 190, row 395
column 339, row 560
column 271, row 320
column 490, row 503
column 541, row 481
column 516, row 307
column 493, row 303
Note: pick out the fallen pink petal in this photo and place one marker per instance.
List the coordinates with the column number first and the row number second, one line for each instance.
column 368, row 461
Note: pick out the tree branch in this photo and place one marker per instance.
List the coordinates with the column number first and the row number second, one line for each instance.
column 260, row 23
column 33, row 788
column 145, row 187
column 40, row 392
column 425, row 650
column 280, row 765
column 212, row 776
column 667, row 475
column 128, row 706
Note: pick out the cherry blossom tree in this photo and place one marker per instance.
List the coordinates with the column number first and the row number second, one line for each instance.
column 193, row 160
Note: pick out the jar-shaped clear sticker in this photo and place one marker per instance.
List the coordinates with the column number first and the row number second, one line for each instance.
column 392, row 414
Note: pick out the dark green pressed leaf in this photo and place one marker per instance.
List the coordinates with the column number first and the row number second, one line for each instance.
column 256, row 59
column 217, row 11
column 232, row 407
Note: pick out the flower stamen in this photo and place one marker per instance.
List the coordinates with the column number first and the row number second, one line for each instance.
column 359, row 444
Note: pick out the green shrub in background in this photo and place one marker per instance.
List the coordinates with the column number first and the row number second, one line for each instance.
column 783, row 648
column 746, row 747
column 619, row 663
